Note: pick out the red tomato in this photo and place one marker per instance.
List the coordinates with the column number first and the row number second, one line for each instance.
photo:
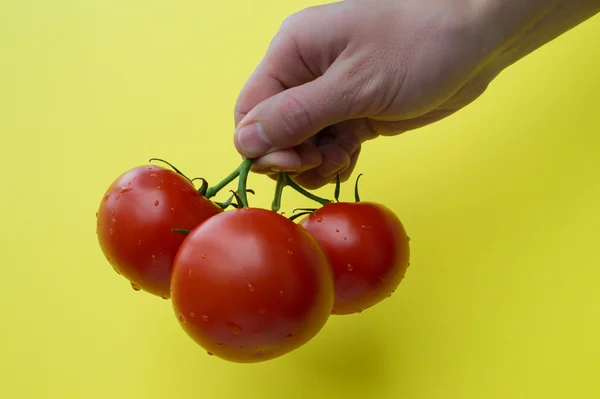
column 250, row 285
column 135, row 219
column 368, row 249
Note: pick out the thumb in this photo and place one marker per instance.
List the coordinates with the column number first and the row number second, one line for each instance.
column 293, row 116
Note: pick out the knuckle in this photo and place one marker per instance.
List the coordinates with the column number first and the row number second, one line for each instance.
column 292, row 20
column 300, row 17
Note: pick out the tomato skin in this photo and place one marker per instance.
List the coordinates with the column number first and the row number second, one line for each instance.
column 250, row 285
column 368, row 249
column 134, row 223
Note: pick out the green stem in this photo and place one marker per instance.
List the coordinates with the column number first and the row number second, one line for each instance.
column 336, row 193
column 307, row 194
column 214, row 190
column 243, row 171
column 281, row 183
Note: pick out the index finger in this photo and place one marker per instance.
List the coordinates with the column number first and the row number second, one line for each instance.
column 281, row 68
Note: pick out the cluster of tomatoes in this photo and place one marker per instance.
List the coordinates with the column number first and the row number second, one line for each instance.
column 248, row 284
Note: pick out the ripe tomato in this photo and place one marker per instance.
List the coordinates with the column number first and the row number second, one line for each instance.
column 135, row 219
column 250, row 285
column 368, row 249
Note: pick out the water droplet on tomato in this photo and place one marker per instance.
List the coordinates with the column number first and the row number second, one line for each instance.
column 234, row 328
column 154, row 175
column 182, row 318
column 366, row 227
column 96, row 214
column 250, row 287
column 290, row 239
column 290, row 252
column 203, row 256
column 190, row 272
column 118, row 196
column 345, row 238
column 135, row 287
column 106, row 197
column 337, row 230
column 111, row 231
column 209, row 353
column 262, row 310
column 319, row 219
column 407, row 238
column 126, row 189
column 204, row 318
column 116, row 270
column 165, row 297
column 172, row 209
column 350, row 267
column 289, row 336
column 193, row 315
column 333, row 312
column 220, row 344
column 156, row 203
column 114, row 221
column 139, row 243
column 158, row 187
column 280, row 294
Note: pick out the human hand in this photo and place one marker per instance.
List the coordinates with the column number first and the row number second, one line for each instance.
column 340, row 74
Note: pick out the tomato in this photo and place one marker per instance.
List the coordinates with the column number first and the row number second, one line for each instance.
column 250, row 285
column 368, row 249
column 135, row 219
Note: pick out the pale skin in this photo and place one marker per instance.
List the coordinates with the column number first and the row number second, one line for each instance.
column 340, row 74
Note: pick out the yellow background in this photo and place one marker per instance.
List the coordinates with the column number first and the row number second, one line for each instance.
column 501, row 202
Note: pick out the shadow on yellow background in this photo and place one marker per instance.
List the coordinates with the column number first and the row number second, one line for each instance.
column 501, row 202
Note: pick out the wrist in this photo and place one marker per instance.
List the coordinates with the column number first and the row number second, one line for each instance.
column 502, row 22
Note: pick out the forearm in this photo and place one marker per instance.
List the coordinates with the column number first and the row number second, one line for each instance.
column 515, row 28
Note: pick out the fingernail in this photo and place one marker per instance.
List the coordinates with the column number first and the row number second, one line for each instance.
column 251, row 139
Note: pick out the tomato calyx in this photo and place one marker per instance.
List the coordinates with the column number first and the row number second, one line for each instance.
column 336, row 193
column 356, row 195
column 203, row 187
column 179, row 172
column 299, row 212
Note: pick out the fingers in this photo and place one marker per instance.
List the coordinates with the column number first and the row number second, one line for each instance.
column 298, row 159
column 293, row 116
column 335, row 160
column 282, row 67
column 305, row 46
